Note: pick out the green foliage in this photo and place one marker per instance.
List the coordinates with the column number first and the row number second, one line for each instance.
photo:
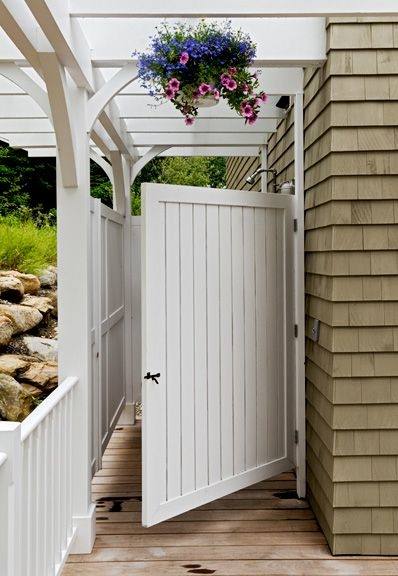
column 100, row 186
column 25, row 182
column 203, row 171
column 26, row 247
column 185, row 171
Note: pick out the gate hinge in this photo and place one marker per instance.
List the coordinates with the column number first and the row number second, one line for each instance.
column 295, row 330
column 295, row 225
column 296, row 436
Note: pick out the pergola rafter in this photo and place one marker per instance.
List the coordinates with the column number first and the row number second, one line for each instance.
column 230, row 8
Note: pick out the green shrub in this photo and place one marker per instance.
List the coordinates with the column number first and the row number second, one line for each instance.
column 25, row 246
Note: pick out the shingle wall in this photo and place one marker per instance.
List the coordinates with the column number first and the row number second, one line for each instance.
column 351, row 219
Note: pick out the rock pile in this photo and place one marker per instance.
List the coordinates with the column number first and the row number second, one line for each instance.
column 28, row 344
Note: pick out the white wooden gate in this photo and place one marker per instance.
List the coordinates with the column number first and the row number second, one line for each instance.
column 218, row 326
column 108, row 317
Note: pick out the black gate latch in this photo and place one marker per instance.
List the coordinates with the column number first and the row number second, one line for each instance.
column 153, row 377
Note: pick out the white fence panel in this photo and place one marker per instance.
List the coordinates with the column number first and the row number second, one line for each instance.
column 136, row 308
column 95, row 285
column 39, row 531
column 108, row 334
column 112, row 332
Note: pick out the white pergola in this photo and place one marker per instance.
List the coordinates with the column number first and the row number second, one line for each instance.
column 68, row 89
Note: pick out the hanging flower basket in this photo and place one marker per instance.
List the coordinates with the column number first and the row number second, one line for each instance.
column 196, row 66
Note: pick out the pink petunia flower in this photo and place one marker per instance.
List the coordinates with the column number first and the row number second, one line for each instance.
column 169, row 93
column 204, row 89
column 252, row 119
column 225, row 79
column 216, row 94
column 264, row 96
column 174, row 84
column 232, row 85
column 184, row 57
column 232, row 70
column 189, row 120
column 246, row 110
column 259, row 101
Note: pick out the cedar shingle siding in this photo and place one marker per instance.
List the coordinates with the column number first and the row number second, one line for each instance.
column 351, row 220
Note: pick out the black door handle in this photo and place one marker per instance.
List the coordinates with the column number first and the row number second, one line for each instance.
column 153, row 377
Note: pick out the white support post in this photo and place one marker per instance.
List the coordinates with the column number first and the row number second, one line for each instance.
column 73, row 210
column 128, row 295
column 10, row 444
column 119, row 192
column 300, row 292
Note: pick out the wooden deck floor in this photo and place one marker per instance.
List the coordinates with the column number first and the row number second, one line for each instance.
column 263, row 530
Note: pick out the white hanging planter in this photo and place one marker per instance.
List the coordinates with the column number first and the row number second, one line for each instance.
column 207, row 101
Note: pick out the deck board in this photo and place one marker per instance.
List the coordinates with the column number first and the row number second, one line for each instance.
column 261, row 530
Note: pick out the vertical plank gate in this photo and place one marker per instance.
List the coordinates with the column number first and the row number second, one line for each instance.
column 218, row 325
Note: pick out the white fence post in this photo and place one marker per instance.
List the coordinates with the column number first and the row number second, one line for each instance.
column 135, row 319
column 73, row 211
column 10, row 444
column 5, row 480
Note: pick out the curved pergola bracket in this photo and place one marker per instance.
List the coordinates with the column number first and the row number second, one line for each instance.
column 54, row 77
column 102, row 163
column 109, row 90
column 144, row 160
column 14, row 73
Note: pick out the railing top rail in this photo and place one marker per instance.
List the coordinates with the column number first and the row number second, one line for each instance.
column 40, row 413
column 3, row 458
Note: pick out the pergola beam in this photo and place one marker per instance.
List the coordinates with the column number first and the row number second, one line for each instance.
column 229, row 8
column 25, row 126
column 201, row 126
column 174, row 151
column 190, row 139
column 146, row 107
column 280, row 42
column 29, row 140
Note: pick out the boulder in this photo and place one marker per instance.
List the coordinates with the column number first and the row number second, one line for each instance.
column 41, row 375
column 30, row 282
column 32, row 390
column 43, row 348
column 48, row 278
column 23, row 318
column 11, row 363
column 15, row 402
column 6, row 330
column 11, row 288
column 41, row 303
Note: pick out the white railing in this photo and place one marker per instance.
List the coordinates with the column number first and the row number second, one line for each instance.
column 39, row 531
